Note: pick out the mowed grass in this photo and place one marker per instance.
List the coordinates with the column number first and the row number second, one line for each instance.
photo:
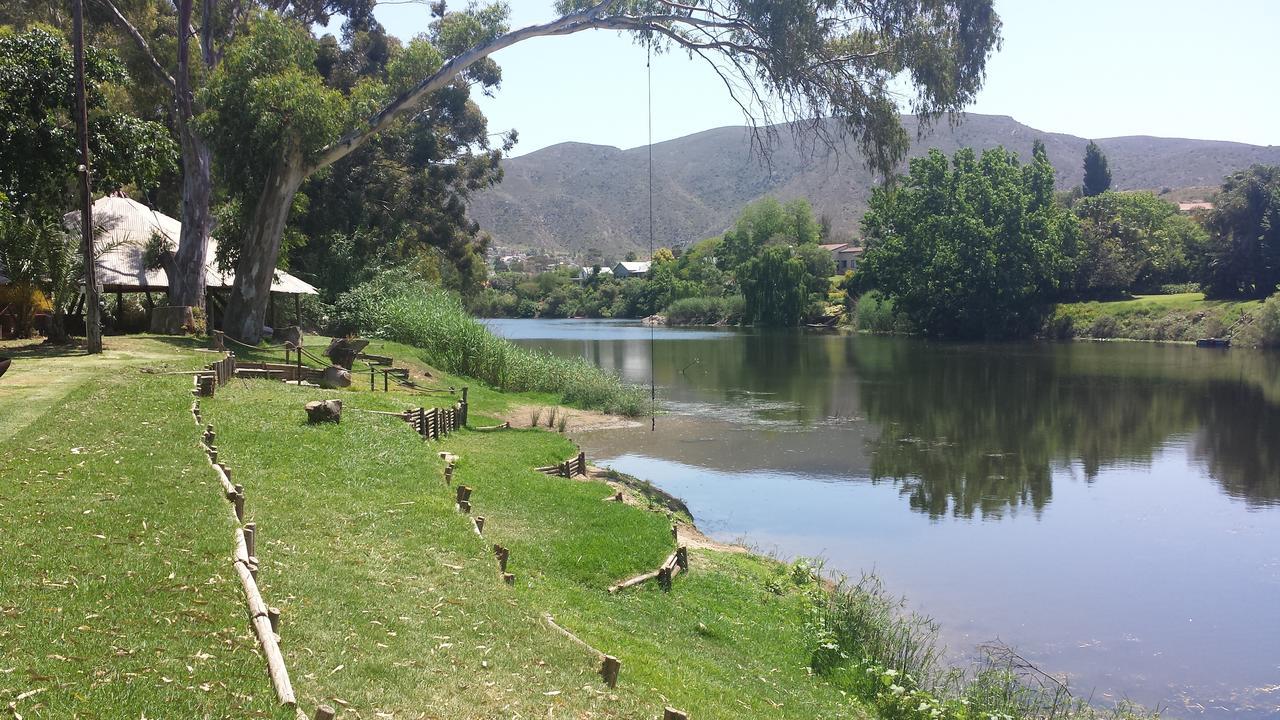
column 392, row 605
column 117, row 597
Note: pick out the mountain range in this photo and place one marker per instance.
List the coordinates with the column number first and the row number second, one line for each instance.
column 580, row 199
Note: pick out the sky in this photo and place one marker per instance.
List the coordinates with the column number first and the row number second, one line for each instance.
column 1092, row 68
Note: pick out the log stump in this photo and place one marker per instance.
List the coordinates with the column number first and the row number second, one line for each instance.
column 334, row 377
column 319, row 411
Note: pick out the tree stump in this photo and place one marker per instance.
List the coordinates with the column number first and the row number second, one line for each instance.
column 291, row 335
column 173, row 320
column 674, row 714
column 343, row 351
column 335, row 377
column 319, row 411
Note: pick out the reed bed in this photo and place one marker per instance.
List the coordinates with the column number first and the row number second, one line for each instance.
column 396, row 308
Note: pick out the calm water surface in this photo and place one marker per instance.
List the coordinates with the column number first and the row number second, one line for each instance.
column 1110, row 509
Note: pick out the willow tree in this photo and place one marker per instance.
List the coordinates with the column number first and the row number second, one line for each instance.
column 860, row 61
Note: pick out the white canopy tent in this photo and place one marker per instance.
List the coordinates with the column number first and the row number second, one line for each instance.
column 126, row 227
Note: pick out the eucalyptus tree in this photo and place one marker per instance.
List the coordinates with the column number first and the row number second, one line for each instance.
column 165, row 36
column 861, row 61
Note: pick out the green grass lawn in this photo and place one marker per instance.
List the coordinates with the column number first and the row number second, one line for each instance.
column 119, row 598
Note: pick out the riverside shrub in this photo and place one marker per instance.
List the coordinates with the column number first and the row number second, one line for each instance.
column 396, row 307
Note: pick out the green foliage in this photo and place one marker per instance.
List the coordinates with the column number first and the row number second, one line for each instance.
column 396, row 307
column 1132, row 242
column 401, row 198
column 1244, row 250
column 773, row 285
column 975, row 248
column 39, row 149
column 1097, row 176
column 767, row 221
column 875, row 314
column 1183, row 317
column 1264, row 330
column 707, row 311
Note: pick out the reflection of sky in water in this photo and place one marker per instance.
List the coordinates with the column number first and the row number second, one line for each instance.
column 1110, row 510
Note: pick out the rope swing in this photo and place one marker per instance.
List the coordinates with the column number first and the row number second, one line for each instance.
column 653, row 387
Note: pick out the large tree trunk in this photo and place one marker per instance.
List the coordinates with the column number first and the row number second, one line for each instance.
column 186, row 279
column 247, row 308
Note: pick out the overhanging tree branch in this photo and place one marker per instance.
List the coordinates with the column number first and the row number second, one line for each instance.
column 119, row 19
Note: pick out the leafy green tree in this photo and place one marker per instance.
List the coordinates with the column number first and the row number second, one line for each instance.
column 813, row 60
column 773, row 284
column 1097, row 176
column 1132, row 242
column 972, row 248
column 768, row 221
column 1244, row 228
column 401, row 199
column 39, row 156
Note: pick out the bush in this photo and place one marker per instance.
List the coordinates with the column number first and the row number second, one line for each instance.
column 1267, row 323
column 395, row 307
column 875, row 313
column 706, row 311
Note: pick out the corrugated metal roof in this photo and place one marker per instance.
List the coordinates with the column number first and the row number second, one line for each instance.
column 126, row 228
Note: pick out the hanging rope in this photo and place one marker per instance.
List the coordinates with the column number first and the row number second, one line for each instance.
column 653, row 387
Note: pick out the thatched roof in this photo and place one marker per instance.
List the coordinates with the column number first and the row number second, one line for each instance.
column 126, row 227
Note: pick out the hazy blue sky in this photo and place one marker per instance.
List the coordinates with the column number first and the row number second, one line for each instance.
column 1094, row 68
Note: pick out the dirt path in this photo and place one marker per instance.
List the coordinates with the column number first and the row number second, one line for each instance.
column 522, row 416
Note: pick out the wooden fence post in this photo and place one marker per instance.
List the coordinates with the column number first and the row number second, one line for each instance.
column 250, row 537
column 502, row 554
column 682, row 558
column 324, row 712
column 464, row 493
column 273, row 615
column 465, row 405
column 238, row 500
column 609, row 667
column 582, row 463
column 674, row 714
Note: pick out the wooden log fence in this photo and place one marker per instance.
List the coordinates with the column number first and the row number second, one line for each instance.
column 436, row 423
column 573, row 466
column 215, row 375
column 676, row 563
column 609, row 665
column 264, row 619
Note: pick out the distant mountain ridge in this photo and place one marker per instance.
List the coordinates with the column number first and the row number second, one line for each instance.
column 574, row 196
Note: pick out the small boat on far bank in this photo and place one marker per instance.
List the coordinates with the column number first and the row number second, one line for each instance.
column 1214, row 342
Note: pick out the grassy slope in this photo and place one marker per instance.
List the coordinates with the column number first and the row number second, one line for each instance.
column 391, row 603
column 1183, row 316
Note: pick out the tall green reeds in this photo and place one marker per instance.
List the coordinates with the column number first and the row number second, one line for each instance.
column 398, row 308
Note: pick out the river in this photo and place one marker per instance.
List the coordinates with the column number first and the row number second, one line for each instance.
column 1111, row 510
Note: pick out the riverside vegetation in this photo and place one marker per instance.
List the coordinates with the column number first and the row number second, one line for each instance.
column 393, row 604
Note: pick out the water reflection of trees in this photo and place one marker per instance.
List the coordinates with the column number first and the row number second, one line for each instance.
column 978, row 431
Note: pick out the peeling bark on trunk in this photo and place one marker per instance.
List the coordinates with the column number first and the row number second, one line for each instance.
column 186, row 279
column 247, row 308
